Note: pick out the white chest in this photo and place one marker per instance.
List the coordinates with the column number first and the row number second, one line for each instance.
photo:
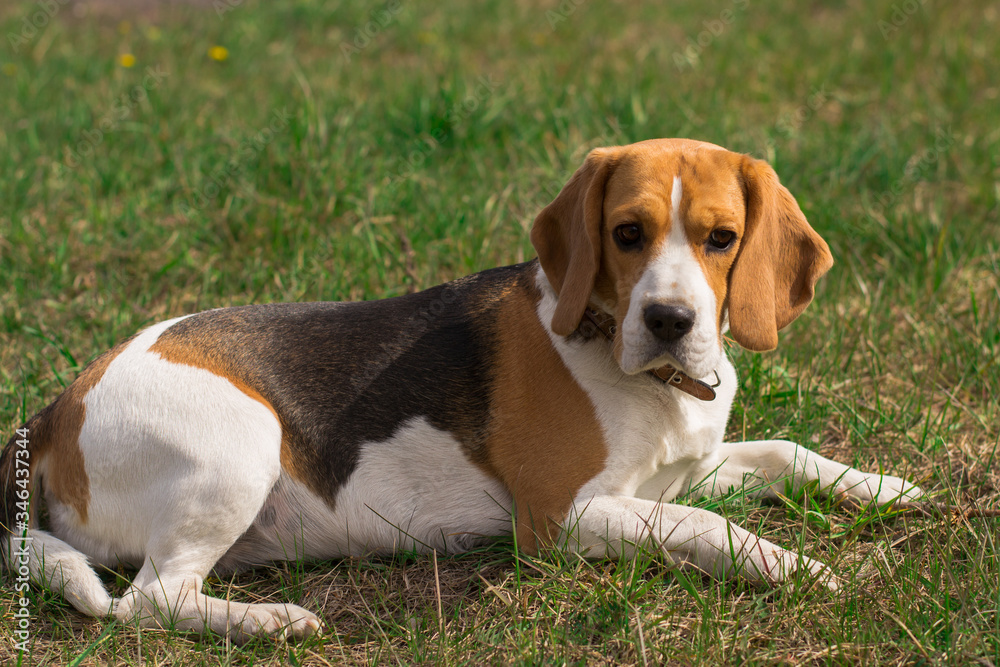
column 652, row 429
column 654, row 433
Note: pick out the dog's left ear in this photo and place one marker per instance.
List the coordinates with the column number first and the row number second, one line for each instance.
column 780, row 259
column 567, row 237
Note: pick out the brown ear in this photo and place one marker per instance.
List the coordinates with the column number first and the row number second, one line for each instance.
column 567, row 237
column 780, row 259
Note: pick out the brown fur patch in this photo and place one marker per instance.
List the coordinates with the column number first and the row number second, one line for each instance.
column 545, row 440
column 192, row 351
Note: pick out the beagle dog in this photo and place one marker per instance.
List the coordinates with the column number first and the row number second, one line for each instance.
column 565, row 400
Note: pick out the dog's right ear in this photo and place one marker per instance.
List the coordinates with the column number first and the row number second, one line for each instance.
column 567, row 238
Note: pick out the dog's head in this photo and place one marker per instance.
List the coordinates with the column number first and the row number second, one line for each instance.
column 678, row 239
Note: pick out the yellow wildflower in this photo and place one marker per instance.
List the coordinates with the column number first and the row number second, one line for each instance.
column 218, row 53
column 126, row 60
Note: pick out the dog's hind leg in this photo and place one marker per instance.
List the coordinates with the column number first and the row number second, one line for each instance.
column 151, row 461
column 180, row 462
column 49, row 561
column 196, row 505
column 166, row 593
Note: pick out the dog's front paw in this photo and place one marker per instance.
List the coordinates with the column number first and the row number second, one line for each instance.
column 820, row 572
column 883, row 490
column 282, row 621
column 773, row 565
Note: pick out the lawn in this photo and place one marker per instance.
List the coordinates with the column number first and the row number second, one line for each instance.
column 162, row 158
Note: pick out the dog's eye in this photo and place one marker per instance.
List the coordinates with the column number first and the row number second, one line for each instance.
column 628, row 235
column 721, row 239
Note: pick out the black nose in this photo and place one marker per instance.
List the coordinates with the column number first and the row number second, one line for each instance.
column 669, row 323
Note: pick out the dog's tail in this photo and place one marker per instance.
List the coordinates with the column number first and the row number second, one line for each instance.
column 26, row 551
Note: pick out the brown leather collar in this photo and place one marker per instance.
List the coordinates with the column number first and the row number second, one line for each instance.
column 666, row 374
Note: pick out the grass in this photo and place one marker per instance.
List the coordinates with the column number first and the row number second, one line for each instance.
column 313, row 165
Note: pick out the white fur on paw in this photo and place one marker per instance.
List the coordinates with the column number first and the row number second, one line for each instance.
column 822, row 572
column 899, row 491
column 825, row 576
column 284, row 621
column 884, row 490
column 782, row 564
